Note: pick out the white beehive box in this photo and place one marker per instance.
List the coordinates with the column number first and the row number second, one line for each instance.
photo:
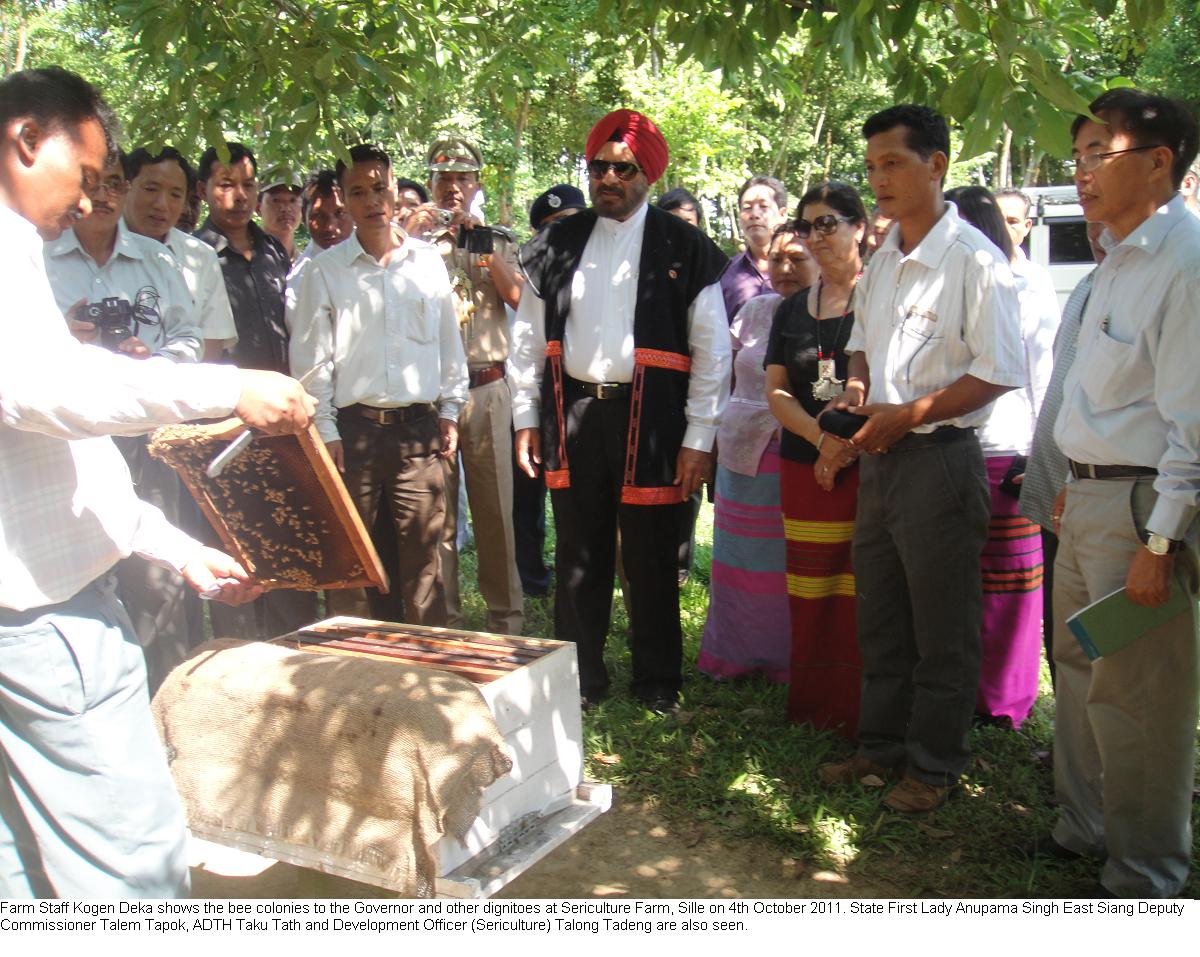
column 524, row 814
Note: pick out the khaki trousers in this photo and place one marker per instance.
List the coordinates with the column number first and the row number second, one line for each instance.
column 485, row 444
column 1125, row 724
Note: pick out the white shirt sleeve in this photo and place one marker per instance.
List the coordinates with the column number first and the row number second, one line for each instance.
column 1178, row 482
column 708, row 384
column 53, row 384
column 992, row 323
column 157, row 540
column 183, row 337
column 527, row 359
column 311, row 316
column 455, row 384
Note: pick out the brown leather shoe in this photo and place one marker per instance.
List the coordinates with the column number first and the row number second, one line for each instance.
column 911, row 796
column 853, row 771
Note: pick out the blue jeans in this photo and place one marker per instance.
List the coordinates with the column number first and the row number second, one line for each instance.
column 87, row 805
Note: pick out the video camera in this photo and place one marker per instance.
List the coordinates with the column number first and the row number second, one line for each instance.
column 481, row 239
column 117, row 319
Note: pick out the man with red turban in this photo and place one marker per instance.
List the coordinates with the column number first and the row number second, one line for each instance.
column 620, row 371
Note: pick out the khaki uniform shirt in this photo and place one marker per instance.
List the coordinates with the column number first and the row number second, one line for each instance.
column 482, row 318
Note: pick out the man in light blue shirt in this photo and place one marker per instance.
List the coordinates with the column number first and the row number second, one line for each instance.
column 1130, row 428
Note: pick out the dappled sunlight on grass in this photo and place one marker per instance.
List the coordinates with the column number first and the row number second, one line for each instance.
column 729, row 767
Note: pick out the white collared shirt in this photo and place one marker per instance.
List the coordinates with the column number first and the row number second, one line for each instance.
column 202, row 272
column 140, row 269
column 945, row 310
column 598, row 339
column 1132, row 396
column 1009, row 428
column 67, row 507
column 384, row 336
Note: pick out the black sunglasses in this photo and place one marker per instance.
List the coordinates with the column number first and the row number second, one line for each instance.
column 598, row 169
column 825, row 225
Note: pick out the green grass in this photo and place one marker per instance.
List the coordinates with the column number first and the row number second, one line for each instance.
column 730, row 766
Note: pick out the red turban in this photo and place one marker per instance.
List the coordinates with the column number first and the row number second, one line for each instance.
column 636, row 131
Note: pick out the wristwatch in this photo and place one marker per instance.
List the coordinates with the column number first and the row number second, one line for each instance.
column 1161, row 545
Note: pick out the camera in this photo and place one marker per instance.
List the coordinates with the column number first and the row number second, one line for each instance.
column 117, row 319
column 481, row 240
column 443, row 217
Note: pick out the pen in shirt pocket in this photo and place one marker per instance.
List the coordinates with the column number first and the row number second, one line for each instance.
column 1105, row 323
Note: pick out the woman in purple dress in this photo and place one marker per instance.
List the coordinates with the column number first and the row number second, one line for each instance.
column 747, row 627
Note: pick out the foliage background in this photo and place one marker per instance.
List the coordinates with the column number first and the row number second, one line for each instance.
column 738, row 86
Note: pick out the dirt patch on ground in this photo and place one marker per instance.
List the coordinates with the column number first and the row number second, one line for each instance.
column 631, row 851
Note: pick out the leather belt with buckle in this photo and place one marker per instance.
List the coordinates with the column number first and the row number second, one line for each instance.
column 601, row 390
column 405, row 413
column 486, row 375
column 1082, row 471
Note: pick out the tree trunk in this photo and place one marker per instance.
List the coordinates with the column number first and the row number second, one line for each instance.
column 1003, row 177
column 1032, row 166
column 22, row 36
column 807, row 162
column 504, row 201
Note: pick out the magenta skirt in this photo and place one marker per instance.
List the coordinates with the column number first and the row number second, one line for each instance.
column 1011, row 632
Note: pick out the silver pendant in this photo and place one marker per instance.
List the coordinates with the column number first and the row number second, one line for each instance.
column 827, row 385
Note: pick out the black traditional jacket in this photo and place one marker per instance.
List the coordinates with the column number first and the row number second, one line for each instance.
column 677, row 261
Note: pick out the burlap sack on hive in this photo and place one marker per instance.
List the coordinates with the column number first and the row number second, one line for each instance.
column 367, row 761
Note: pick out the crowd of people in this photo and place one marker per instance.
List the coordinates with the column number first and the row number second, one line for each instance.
column 898, row 432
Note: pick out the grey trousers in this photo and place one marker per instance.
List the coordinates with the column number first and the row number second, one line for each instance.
column 921, row 526
column 87, row 805
column 1125, row 724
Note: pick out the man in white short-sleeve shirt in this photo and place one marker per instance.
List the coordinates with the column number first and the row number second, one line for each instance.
column 159, row 186
column 936, row 339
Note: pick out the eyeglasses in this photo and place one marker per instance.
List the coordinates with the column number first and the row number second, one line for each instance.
column 1091, row 161
column 598, row 169
column 114, row 186
column 825, row 225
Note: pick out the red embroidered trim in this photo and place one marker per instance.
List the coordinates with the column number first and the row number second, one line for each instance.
column 639, row 495
column 635, row 424
column 554, row 353
column 558, row 478
column 659, row 359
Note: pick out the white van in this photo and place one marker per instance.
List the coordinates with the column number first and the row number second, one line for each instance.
column 1058, row 240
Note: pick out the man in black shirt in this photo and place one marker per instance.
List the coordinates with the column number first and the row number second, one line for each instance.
column 255, row 264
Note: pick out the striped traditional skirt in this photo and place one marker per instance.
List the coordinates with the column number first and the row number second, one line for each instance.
column 746, row 630
column 1011, row 633
column 826, row 671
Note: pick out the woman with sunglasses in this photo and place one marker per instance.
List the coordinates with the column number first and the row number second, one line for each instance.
column 747, row 627
column 806, row 368
column 1012, row 562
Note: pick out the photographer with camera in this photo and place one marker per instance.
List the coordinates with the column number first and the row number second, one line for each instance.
column 87, row 805
column 481, row 261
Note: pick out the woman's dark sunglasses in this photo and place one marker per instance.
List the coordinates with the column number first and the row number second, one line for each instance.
column 625, row 171
column 825, row 225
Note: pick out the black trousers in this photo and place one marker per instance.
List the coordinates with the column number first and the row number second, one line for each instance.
column 529, row 528
column 586, row 517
